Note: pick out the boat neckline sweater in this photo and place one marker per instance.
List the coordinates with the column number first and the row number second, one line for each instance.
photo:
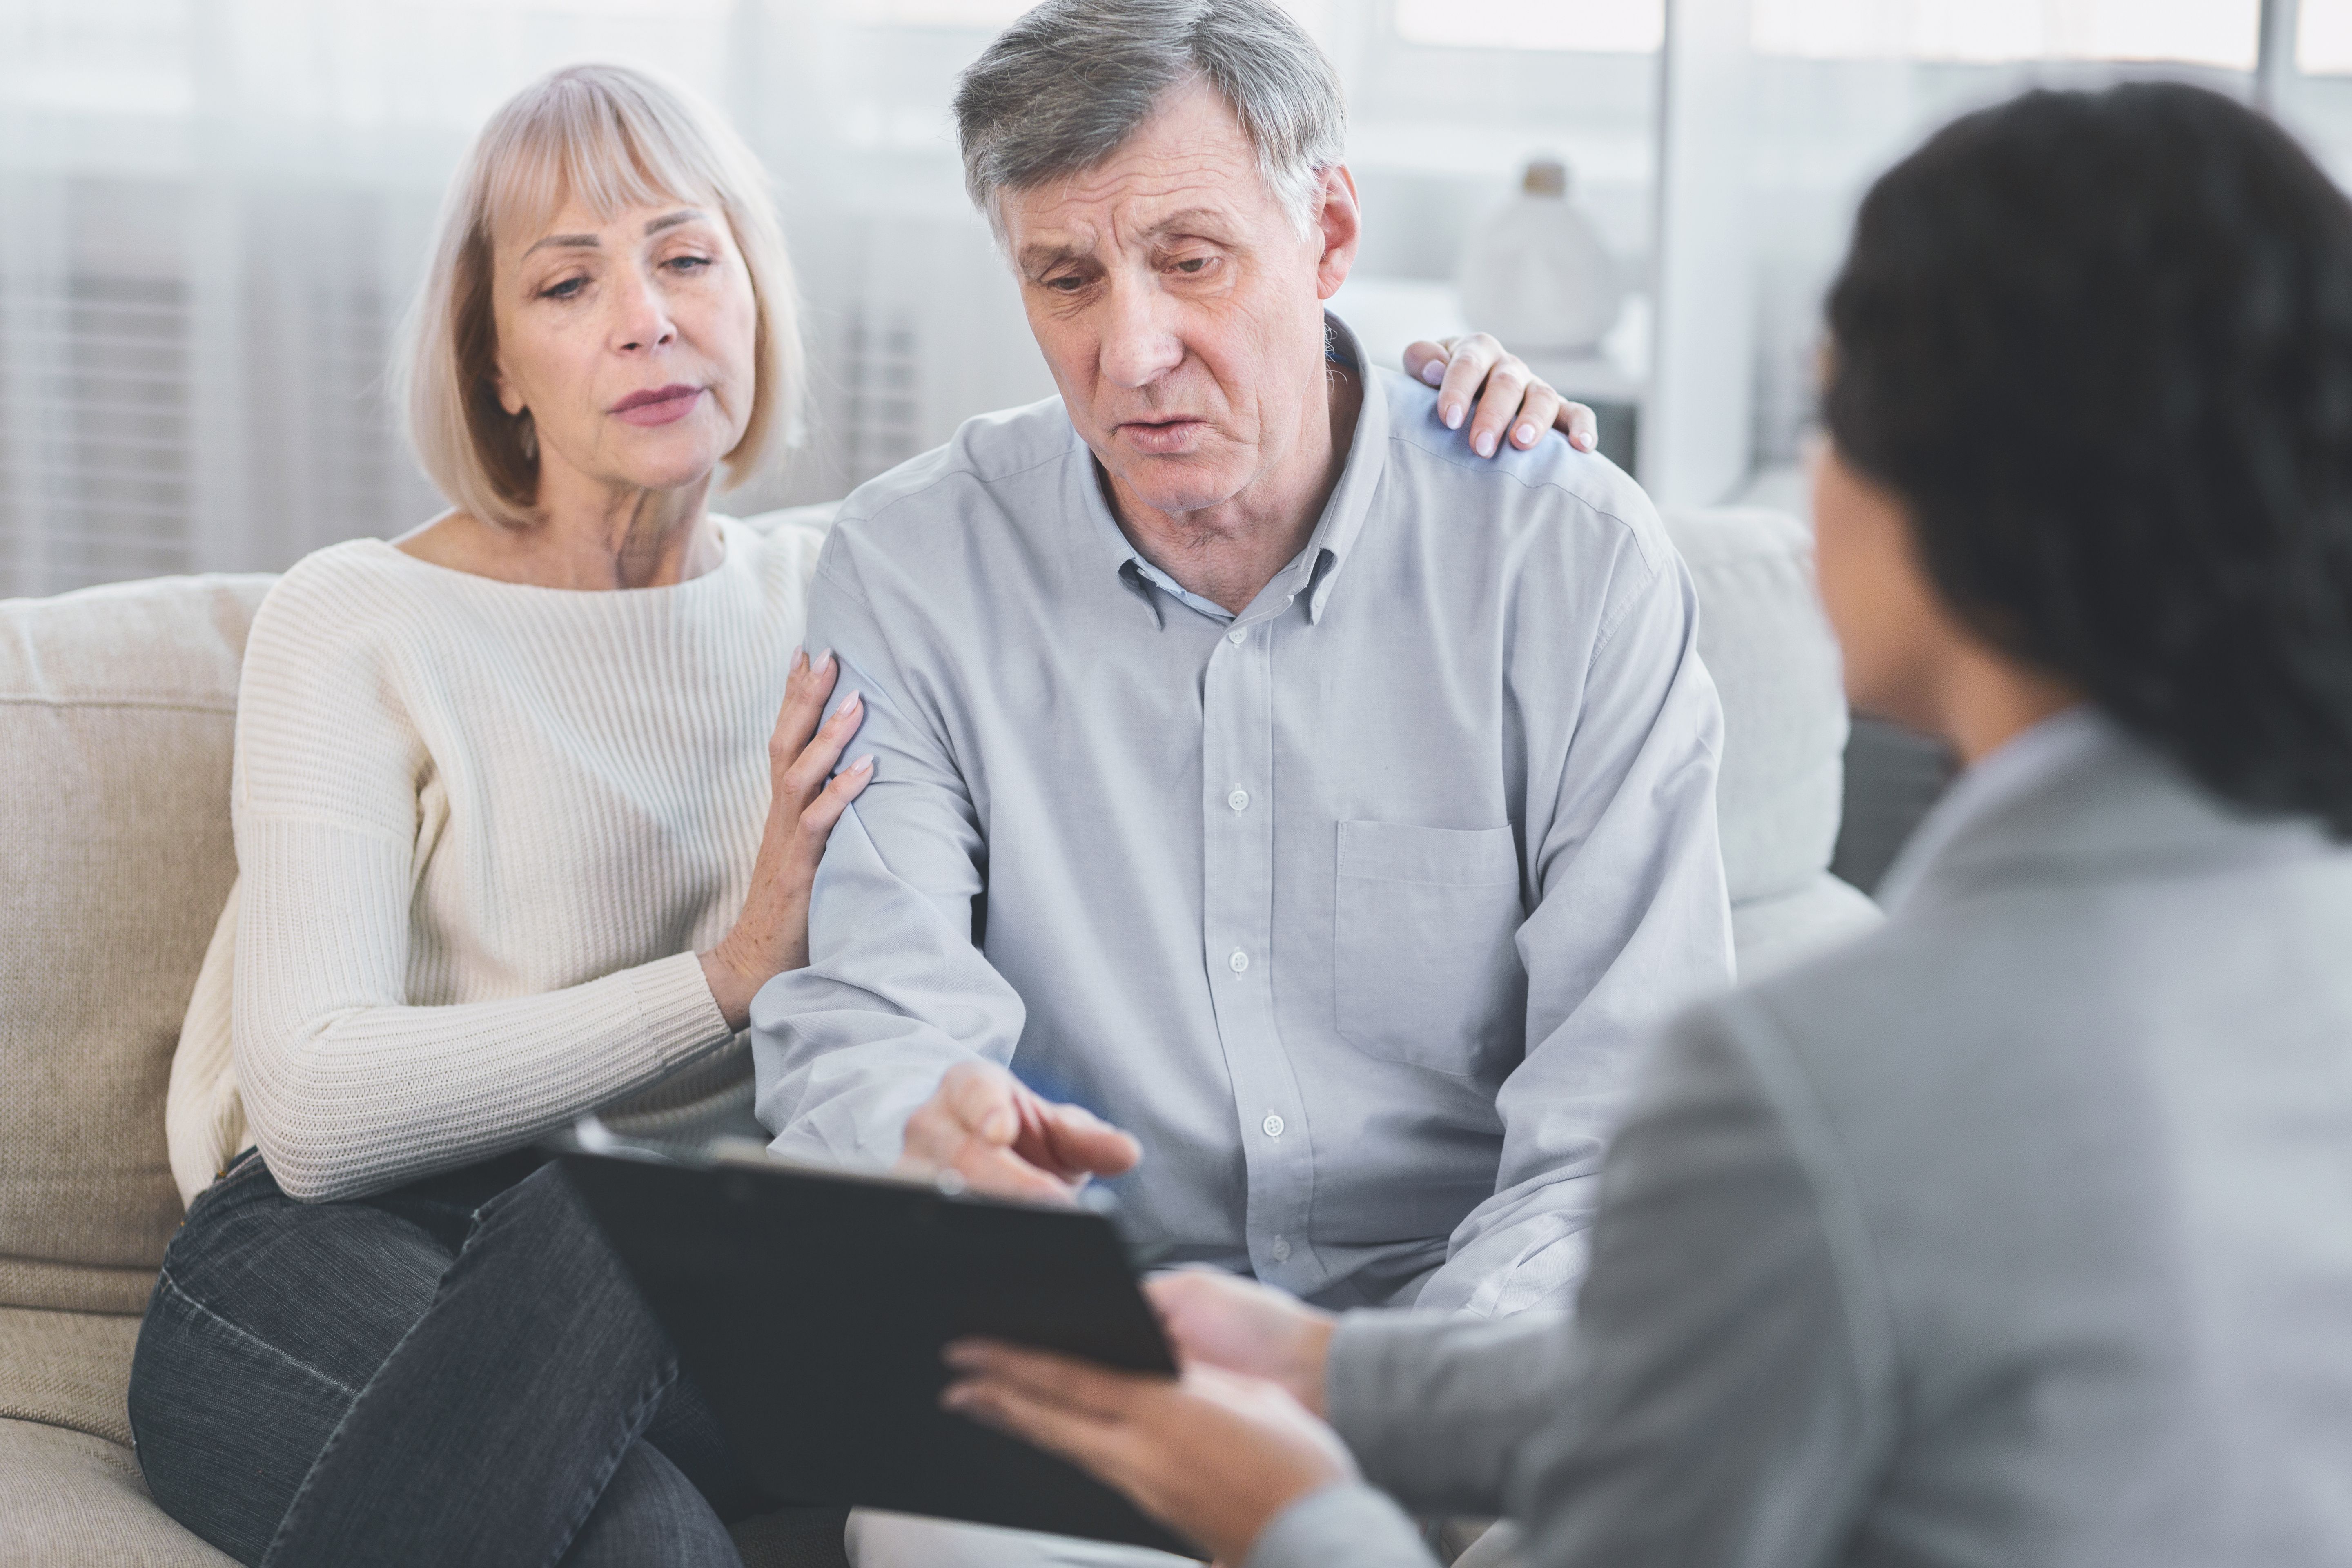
column 483, row 829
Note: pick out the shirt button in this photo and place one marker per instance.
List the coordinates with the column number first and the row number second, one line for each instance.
column 1273, row 1125
column 1237, row 637
column 1239, row 799
column 1279, row 1251
column 1238, row 962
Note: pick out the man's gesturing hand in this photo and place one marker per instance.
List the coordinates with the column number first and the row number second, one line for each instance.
column 1007, row 1141
column 1217, row 1319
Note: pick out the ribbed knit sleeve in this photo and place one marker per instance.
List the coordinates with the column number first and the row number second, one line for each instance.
column 348, row 1091
column 459, row 789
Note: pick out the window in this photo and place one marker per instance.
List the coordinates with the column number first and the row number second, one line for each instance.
column 2224, row 33
column 986, row 16
column 1599, row 26
column 2323, row 38
column 989, row 16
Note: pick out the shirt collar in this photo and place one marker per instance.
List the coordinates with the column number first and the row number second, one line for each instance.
column 2014, row 768
column 1315, row 568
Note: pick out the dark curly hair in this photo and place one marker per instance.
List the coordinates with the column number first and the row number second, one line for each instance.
column 2100, row 345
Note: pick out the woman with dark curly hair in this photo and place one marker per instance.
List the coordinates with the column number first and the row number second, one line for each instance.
column 2021, row 1231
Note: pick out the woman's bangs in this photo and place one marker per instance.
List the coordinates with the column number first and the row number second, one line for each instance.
column 605, row 148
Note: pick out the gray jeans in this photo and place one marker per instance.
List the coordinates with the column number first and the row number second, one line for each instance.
column 455, row 1372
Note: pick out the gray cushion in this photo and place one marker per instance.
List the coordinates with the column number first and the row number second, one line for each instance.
column 1775, row 660
column 1771, row 934
column 1768, row 646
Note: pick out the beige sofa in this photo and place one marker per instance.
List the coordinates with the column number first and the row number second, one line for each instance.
column 115, row 707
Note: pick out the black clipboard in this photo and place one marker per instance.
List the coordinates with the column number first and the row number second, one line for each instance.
column 810, row 1307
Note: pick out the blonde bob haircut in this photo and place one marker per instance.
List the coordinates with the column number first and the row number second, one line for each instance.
column 614, row 138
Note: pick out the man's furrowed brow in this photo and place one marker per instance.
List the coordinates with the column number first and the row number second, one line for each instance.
column 1043, row 257
column 1204, row 223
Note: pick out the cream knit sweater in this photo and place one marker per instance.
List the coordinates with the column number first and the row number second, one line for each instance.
column 482, row 831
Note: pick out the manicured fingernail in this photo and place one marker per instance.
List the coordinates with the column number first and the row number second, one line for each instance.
column 1585, row 442
column 1526, row 435
column 1485, row 443
column 1452, row 412
column 1433, row 372
column 823, row 660
column 800, row 658
column 863, row 765
column 849, row 704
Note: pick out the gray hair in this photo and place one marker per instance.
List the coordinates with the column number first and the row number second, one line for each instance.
column 1064, row 88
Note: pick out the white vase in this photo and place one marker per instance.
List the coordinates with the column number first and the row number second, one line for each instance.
column 1535, row 273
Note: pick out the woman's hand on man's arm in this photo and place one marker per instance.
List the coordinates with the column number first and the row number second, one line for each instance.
column 1508, row 394
column 771, row 935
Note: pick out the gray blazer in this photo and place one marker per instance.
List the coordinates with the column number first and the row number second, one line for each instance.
column 2019, row 1233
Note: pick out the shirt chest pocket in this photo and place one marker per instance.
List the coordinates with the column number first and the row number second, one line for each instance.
column 1424, row 967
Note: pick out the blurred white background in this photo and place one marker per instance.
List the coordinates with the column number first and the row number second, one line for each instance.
column 212, row 212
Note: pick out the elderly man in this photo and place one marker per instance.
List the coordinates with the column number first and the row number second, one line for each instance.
column 1326, row 809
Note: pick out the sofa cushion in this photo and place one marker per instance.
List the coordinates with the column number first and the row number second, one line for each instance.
column 1783, row 930
column 72, row 1500
column 67, row 1369
column 115, row 707
column 1770, row 648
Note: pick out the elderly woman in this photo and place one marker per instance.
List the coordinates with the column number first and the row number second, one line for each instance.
column 2017, row 1232
column 527, row 807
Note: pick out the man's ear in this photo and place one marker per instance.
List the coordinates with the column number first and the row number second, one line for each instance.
column 1339, row 223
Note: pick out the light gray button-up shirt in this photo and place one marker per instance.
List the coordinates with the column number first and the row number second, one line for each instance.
column 1353, row 908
